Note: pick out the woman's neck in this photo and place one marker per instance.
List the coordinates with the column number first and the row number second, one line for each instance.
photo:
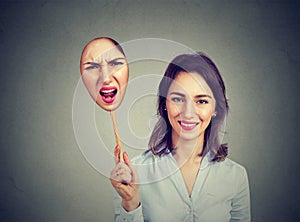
column 187, row 151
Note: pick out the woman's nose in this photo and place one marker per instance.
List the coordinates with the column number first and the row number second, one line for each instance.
column 188, row 109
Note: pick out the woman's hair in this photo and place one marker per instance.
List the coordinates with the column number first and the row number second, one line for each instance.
column 161, row 139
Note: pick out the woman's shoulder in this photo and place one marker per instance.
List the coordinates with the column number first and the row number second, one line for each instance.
column 231, row 174
column 229, row 166
column 231, row 163
column 151, row 167
column 143, row 157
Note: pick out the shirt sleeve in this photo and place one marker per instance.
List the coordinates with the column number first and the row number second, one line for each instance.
column 121, row 215
column 241, row 201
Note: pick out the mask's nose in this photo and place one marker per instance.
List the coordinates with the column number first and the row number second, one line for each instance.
column 106, row 74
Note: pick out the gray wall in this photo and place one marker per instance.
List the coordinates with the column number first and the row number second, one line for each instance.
column 43, row 174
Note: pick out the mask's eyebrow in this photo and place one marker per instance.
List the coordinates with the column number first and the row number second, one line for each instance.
column 118, row 58
column 91, row 63
column 108, row 60
column 115, row 59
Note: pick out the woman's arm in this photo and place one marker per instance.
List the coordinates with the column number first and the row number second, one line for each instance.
column 121, row 215
column 124, row 179
column 241, row 202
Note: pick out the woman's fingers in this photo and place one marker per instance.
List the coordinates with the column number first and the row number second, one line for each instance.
column 124, row 173
column 134, row 175
column 126, row 158
column 124, row 180
column 127, row 192
column 121, row 173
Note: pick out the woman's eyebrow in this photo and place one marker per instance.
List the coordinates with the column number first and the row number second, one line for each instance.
column 177, row 93
column 203, row 95
column 197, row 96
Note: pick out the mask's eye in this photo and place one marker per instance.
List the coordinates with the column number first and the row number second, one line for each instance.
column 116, row 63
column 92, row 66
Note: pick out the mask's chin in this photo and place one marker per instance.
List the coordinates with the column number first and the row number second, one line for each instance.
column 109, row 104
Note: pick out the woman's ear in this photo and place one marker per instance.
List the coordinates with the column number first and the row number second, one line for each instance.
column 165, row 107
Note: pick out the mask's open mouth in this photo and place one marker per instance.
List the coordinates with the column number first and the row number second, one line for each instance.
column 108, row 94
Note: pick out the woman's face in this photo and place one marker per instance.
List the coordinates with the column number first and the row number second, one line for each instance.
column 104, row 71
column 190, row 105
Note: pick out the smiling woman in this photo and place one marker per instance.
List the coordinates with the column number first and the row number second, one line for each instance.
column 190, row 104
column 199, row 84
column 204, row 185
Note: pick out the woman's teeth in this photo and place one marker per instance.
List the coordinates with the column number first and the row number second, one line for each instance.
column 188, row 124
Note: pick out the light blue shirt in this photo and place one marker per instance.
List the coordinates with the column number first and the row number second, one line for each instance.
column 220, row 192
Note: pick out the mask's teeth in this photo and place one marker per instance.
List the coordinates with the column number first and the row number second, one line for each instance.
column 108, row 93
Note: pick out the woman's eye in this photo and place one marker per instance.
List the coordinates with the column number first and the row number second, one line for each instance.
column 177, row 99
column 202, row 101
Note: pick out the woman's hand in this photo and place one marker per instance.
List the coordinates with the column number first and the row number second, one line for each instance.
column 124, row 179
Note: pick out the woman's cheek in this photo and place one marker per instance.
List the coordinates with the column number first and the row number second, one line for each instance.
column 204, row 114
column 174, row 110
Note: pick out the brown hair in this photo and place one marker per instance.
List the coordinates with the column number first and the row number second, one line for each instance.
column 161, row 138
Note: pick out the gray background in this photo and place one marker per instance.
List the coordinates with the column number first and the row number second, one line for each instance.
column 43, row 174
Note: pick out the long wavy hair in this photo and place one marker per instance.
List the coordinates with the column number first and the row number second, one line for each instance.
column 160, row 142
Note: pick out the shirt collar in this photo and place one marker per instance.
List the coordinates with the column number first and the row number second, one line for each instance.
column 206, row 160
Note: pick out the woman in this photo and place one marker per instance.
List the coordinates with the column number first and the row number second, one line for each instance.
column 198, row 182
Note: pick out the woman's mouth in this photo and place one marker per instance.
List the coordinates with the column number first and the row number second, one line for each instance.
column 187, row 125
column 108, row 94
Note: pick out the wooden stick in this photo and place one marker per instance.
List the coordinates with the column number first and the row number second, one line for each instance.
column 113, row 118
